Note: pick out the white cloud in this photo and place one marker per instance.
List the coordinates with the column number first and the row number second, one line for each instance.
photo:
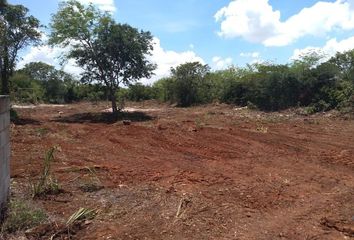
column 221, row 63
column 104, row 5
column 329, row 49
column 333, row 46
column 257, row 21
column 72, row 68
column 255, row 57
column 259, row 61
column 38, row 54
column 49, row 55
column 163, row 58
column 250, row 55
column 166, row 59
column 254, row 20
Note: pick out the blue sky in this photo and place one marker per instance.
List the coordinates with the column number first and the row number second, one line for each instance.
column 221, row 32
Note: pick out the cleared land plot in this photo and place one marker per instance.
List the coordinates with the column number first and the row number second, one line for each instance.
column 212, row 172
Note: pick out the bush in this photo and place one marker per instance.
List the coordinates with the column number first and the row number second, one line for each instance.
column 321, row 106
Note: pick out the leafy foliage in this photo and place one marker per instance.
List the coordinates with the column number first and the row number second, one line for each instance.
column 110, row 53
column 115, row 55
column 17, row 30
column 189, row 85
column 309, row 81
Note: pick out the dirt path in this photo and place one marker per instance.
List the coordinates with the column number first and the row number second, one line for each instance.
column 200, row 173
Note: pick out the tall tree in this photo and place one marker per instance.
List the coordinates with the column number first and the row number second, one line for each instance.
column 17, row 31
column 111, row 53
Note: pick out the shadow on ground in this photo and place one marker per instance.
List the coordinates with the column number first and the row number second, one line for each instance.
column 25, row 121
column 108, row 118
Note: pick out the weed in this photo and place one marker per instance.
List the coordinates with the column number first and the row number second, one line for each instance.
column 199, row 123
column 262, row 129
column 79, row 215
column 46, row 184
column 22, row 216
column 182, row 205
column 73, row 224
column 93, row 184
column 41, row 131
column 204, row 120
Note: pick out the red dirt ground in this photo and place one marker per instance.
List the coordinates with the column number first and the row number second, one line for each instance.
column 211, row 172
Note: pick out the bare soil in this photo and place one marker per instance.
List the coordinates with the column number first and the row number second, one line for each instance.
column 210, row 172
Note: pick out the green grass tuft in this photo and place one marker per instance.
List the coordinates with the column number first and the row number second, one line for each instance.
column 22, row 216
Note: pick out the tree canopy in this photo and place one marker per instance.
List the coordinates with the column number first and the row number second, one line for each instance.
column 109, row 52
column 313, row 81
column 189, row 77
column 17, row 30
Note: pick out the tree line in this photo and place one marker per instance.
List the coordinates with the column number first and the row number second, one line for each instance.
column 38, row 82
column 310, row 81
column 114, row 57
column 307, row 82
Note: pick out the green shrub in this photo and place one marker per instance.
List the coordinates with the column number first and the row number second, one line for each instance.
column 321, row 106
column 310, row 110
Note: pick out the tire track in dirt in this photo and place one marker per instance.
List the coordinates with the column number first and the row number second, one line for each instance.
column 236, row 180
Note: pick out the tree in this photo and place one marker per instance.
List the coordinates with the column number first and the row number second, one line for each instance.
column 164, row 89
column 55, row 82
column 39, row 71
column 25, row 89
column 139, row 92
column 17, row 30
column 189, row 78
column 110, row 53
column 345, row 64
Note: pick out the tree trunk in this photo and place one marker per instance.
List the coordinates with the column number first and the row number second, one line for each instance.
column 4, row 82
column 5, row 75
column 114, row 101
